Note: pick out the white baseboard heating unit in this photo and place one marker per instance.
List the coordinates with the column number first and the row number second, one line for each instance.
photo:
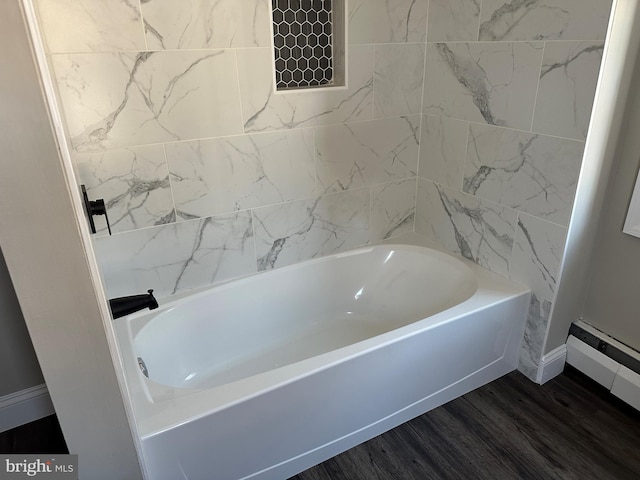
column 605, row 360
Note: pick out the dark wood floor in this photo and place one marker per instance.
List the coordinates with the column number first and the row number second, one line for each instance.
column 41, row 436
column 569, row 428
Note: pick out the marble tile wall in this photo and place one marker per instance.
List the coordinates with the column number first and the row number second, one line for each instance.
column 508, row 91
column 207, row 173
column 461, row 120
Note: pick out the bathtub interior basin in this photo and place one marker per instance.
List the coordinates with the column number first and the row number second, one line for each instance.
column 252, row 326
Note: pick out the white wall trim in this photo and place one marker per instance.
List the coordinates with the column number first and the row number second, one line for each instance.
column 68, row 320
column 25, row 406
column 60, row 136
column 632, row 223
column 552, row 364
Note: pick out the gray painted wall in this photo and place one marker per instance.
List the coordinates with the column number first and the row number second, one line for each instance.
column 613, row 299
column 19, row 367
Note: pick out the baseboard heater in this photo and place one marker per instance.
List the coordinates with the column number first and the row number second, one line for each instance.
column 606, row 360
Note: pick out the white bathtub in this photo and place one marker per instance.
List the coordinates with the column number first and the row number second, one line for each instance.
column 268, row 375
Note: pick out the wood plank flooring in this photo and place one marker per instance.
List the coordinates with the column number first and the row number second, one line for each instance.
column 569, row 428
column 41, row 436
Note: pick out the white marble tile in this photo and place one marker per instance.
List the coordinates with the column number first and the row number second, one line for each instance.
column 265, row 110
column 532, row 173
column 567, row 87
column 134, row 183
column 453, row 20
column 113, row 100
column 537, row 252
column 222, row 175
column 478, row 230
column 544, row 19
column 297, row 231
column 492, row 83
column 535, row 331
column 398, row 79
column 527, row 368
column 387, row 21
column 91, row 25
column 393, row 208
column 177, row 257
column 194, row 24
column 359, row 154
column 443, row 147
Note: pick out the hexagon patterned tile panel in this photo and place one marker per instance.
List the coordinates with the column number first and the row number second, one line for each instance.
column 302, row 36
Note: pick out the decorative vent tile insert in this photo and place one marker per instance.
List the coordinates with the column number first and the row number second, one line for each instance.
column 303, row 39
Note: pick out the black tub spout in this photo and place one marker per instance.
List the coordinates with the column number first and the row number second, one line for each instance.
column 122, row 306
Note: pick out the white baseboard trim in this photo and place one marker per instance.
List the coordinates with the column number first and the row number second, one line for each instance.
column 25, row 406
column 551, row 364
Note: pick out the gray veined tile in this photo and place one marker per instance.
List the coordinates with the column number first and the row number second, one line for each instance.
column 537, row 252
column 91, row 25
column 528, row 172
column 393, row 207
column 265, row 110
column 534, row 335
column 291, row 232
column 195, row 24
column 443, row 146
column 493, row 83
column 568, row 82
column 360, row 154
column 222, row 175
column 177, row 257
column 544, row 19
column 113, row 100
column 453, row 20
column 480, row 231
column 398, row 79
column 387, row 21
column 134, row 183
column 527, row 368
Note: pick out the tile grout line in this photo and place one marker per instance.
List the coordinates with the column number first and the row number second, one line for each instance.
column 479, row 20
column 535, row 102
column 173, row 198
column 144, row 30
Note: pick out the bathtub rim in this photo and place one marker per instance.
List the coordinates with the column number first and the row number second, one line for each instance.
column 159, row 408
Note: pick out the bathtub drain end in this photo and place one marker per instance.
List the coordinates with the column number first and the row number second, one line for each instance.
column 143, row 367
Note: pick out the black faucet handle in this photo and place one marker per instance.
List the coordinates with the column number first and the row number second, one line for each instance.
column 99, row 208
column 94, row 207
